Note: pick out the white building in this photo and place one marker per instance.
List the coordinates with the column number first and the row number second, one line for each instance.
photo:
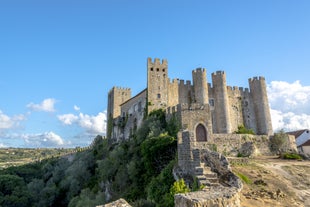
column 302, row 140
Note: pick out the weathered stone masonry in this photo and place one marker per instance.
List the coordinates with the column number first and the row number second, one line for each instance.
column 208, row 114
column 228, row 107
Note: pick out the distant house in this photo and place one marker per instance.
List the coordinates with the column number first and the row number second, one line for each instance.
column 305, row 147
column 302, row 140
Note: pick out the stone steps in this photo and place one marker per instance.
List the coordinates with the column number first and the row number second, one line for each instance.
column 205, row 176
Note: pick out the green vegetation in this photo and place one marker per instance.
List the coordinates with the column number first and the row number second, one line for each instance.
column 291, row 156
column 139, row 170
column 240, row 154
column 244, row 178
column 110, row 125
column 278, row 141
column 243, row 130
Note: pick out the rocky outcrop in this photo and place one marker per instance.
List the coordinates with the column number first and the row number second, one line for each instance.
column 219, row 196
column 220, row 165
column 118, row 203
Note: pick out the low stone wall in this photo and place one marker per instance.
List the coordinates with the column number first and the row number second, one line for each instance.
column 245, row 144
column 218, row 196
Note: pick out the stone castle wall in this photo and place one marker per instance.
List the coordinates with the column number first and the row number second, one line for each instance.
column 132, row 114
column 116, row 97
column 228, row 107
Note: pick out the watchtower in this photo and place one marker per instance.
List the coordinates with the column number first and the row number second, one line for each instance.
column 221, row 103
column 261, row 106
column 200, row 86
column 157, row 84
column 116, row 97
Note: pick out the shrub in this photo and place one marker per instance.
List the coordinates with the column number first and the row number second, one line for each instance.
column 291, row 156
column 243, row 130
column 278, row 141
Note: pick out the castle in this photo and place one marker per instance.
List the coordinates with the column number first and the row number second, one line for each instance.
column 202, row 108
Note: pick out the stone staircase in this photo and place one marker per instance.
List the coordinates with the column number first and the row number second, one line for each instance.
column 205, row 176
column 203, row 173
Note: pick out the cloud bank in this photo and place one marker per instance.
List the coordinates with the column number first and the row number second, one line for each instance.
column 7, row 122
column 46, row 105
column 92, row 124
column 290, row 105
column 47, row 139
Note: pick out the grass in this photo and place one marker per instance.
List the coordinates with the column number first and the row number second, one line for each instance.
column 291, row 156
column 244, row 178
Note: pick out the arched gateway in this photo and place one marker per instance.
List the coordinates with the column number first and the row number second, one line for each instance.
column 201, row 133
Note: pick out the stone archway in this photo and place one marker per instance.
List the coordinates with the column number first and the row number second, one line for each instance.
column 201, row 133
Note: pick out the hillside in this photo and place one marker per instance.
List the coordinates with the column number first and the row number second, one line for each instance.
column 274, row 182
column 19, row 156
column 140, row 171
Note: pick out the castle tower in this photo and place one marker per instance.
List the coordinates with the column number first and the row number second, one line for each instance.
column 261, row 106
column 200, row 86
column 221, row 103
column 116, row 97
column 157, row 84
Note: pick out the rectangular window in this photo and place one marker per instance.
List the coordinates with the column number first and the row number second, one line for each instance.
column 211, row 102
column 158, row 95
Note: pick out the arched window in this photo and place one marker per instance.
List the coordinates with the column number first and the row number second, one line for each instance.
column 201, row 133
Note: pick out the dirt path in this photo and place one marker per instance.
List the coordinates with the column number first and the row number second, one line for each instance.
column 297, row 178
column 285, row 183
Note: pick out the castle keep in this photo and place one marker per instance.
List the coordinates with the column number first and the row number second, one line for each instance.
column 203, row 108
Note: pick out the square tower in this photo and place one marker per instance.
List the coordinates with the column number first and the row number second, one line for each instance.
column 157, row 84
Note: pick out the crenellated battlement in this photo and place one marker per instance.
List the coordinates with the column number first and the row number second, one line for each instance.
column 181, row 82
column 191, row 106
column 237, row 89
column 221, row 107
column 117, row 88
column 157, row 61
column 218, row 73
column 120, row 88
column 260, row 78
column 199, row 70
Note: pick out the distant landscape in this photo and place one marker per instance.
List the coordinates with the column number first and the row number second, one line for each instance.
column 20, row 156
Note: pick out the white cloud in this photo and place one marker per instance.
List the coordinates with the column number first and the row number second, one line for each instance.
column 46, row 105
column 7, row 122
column 92, row 124
column 76, row 108
column 290, row 105
column 289, row 121
column 68, row 119
column 2, row 145
column 47, row 139
column 289, row 97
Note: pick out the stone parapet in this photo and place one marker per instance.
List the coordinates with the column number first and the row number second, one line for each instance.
column 219, row 196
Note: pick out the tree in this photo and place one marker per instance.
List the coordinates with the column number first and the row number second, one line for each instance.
column 13, row 191
column 278, row 141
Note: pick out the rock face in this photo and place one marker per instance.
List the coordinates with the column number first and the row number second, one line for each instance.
column 119, row 203
column 218, row 196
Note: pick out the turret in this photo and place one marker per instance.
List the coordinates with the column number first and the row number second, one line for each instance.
column 200, row 86
column 221, row 103
column 116, row 97
column 157, row 84
column 261, row 106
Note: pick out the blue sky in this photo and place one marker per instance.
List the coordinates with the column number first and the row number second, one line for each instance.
column 58, row 59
